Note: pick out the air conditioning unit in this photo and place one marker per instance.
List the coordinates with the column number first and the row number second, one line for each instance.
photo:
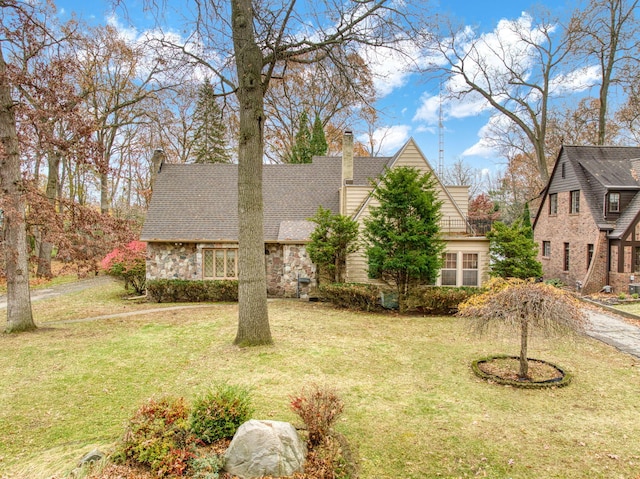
column 634, row 289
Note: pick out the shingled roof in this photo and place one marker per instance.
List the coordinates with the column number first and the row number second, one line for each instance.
column 609, row 165
column 198, row 202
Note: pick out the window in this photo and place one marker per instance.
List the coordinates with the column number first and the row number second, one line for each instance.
column 589, row 254
column 449, row 269
column 470, row 269
column 575, row 201
column 614, row 202
column 546, row 249
column 220, row 263
column 565, row 266
column 553, row 204
column 636, row 260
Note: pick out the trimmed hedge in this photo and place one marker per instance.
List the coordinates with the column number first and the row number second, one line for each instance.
column 185, row 291
column 428, row 300
column 358, row 296
column 436, row 300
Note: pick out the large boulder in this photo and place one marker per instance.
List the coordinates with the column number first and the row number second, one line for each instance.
column 265, row 448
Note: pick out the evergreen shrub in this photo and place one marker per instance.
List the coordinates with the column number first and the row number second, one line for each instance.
column 436, row 300
column 220, row 412
column 186, row 291
column 358, row 296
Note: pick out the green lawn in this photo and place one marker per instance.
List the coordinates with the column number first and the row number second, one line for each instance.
column 412, row 406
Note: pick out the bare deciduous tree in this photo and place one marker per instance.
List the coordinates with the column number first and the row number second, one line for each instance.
column 515, row 71
column 612, row 39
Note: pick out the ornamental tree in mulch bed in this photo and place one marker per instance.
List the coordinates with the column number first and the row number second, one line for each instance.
column 524, row 306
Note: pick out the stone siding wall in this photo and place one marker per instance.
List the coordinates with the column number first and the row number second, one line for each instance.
column 172, row 261
column 286, row 264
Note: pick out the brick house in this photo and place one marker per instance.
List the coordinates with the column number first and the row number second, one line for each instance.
column 191, row 227
column 587, row 225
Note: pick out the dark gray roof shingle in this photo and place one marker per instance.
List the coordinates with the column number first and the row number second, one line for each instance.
column 603, row 168
column 198, row 202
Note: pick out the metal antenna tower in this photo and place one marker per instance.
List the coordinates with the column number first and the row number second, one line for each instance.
column 440, row 136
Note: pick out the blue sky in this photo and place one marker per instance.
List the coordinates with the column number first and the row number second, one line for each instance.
column 407, row 101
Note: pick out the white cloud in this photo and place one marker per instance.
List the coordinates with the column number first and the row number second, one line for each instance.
column 389, row 69
column 576, row 81
column 390, row 138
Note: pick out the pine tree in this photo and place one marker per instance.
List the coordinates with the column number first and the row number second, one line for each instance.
column 319, row 145
column 209, row 139
column 403, row 233
column 513, row 251
column 301, row 150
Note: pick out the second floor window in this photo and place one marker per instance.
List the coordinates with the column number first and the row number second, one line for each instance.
column 553, row 204
column 614, row 202
column 574, row 197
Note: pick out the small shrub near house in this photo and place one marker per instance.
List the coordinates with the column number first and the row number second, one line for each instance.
column 220, row 412
column 129, row 264
column 361, row 297
column 436, row 300
column 185, row 291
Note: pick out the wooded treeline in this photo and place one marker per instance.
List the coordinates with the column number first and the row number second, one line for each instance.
column 90, row 103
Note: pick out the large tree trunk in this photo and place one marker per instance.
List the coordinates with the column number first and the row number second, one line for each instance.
column 19, row 316
column 524, row 337
column 253, row 317
column 46, row 247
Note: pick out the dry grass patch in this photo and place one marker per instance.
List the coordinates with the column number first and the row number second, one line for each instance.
column 412, row 406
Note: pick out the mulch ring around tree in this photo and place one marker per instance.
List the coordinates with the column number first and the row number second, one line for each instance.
column 504, row 370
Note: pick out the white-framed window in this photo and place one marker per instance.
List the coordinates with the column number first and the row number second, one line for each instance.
column 219, row 263
column 575, row 201
column 614, row 202
column 546, row 249
column 470, row 269
column 449, row 271
column 460, row 269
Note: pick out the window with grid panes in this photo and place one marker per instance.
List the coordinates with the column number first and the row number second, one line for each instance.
column 470, row 269
column 220, row 263
column 449, row 269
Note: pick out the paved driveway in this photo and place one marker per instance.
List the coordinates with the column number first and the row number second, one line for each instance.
column 613, row 330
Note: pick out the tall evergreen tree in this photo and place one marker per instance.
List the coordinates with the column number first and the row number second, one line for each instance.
column 319, row 145
column 301, row 150
column 513, row 251
column 209, row 139
column 403, row 233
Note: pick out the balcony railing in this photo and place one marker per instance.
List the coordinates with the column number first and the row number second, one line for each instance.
column 452, row 225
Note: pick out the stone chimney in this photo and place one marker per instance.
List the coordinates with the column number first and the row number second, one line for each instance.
column 347, row 158
column 157, row 159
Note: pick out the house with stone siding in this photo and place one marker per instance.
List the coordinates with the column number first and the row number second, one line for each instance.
column 191, row 228
column 587, row 225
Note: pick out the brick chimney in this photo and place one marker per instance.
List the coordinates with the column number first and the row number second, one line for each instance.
column 347, row 158
column 157, row 159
